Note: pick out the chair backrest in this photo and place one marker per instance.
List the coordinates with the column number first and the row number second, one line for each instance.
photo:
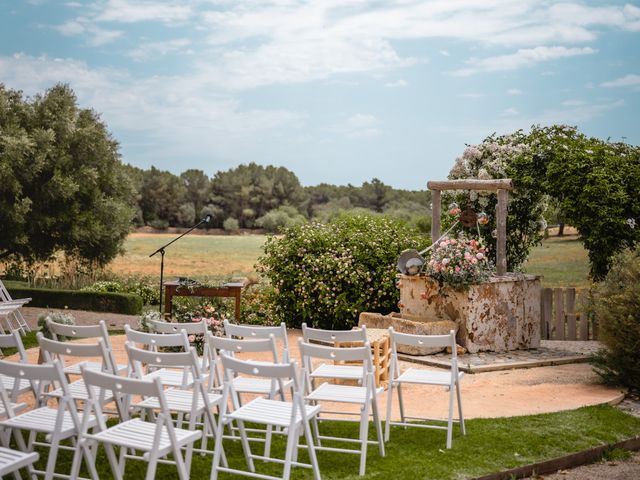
column 362, row 354
column 254, row 332
column 333, row 336
column 78, row 331
column 55, row 350
column 192, row 328
column 231, row 346
column 123, row 388
column 428, row 341
column 39, row 376
column 139, row 357
column 154, row 340
column 14, row 340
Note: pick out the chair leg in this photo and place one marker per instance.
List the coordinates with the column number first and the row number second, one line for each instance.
column 400, row 403
column 364, row 437
column 450, row 419
column 460, row 416
column 387, row 423
column 151, row 469
column 246, row 448
column 292, row 442
column 217, row 450
column 312, row 451
column 378, row 424
column 113, row 461
column 53, row 456
column 267, row 441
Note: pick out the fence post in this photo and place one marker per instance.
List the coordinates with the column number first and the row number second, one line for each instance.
column 546, row 304
column 558, row 305
column 570, row 314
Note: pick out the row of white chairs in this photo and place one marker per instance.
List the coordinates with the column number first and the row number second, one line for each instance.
column 192, row 388
column 10, row 311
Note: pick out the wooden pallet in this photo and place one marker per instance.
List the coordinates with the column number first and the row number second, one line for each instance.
column 380, row 351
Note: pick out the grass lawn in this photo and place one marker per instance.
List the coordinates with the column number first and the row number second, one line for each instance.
column 491, row 445
column 562, row 261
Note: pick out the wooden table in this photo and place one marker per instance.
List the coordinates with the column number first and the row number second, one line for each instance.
column 175, row 289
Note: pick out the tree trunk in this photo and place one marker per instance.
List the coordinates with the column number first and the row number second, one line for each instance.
column 560, row 229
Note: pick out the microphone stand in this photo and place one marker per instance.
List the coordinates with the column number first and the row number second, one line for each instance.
column 206, row 219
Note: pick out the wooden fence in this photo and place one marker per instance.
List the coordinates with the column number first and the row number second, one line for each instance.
column 559, row 319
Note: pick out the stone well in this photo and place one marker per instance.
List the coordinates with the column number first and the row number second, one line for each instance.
column 498, row 315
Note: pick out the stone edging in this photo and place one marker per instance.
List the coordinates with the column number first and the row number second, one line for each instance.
column 569, row 461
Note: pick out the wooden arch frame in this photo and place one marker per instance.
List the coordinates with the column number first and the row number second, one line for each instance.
column 502, row 186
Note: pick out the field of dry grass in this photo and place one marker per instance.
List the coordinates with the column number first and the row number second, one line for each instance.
column 561, row 260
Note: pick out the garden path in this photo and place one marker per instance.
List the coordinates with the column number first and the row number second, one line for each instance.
column 489, row 394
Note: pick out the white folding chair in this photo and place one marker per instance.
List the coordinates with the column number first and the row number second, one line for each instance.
column 364, row 396
column 155, row 440
column 448, row 379
column 60, row 330
column 57, row 424
column 254, row 332
column 54, row 350
column 154, row 341
column 197, row 404
column 331, row 338
column 291, row 417
column 5, row 298
column 190, row 328
column 11, row 461
column 15, row 386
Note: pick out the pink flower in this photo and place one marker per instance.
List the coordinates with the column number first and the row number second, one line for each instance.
column 479, row 256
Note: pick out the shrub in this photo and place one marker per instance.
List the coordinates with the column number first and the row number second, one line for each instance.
column 279, row 218
column 138, row 285
column 57, row 317
column 230, row 224
column 93, row 301
column 616, row 306
column 326, row 274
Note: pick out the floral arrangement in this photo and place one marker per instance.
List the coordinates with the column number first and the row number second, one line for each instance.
column 459, row 262
column 57, row 317
column 206, row 311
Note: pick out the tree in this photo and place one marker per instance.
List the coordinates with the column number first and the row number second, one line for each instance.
column 250, row 191
column 62, row 185
column 161, row 193
column 197, row 186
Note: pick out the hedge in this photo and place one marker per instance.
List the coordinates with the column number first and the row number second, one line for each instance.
column 124, row 303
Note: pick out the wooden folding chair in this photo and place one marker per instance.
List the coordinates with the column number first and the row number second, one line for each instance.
column 449, row 379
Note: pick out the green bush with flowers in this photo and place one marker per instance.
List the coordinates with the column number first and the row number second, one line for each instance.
column 326, row 274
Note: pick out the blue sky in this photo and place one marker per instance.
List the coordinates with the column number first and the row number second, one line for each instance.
column 336, row 91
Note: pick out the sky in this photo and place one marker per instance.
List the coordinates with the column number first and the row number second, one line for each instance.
column 338, row 91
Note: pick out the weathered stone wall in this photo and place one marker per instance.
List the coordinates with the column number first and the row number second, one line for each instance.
column 498, row 315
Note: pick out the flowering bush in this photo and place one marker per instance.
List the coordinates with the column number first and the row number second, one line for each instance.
column 458, row 262
column 326, row 274
column 57, row 317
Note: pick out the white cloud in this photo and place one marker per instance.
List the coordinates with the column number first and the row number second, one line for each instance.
column 514, row 91
column 126, row 11
column 96, row 36
column 396, row 84
column 525, row 57
column 177, row 115
column 152, row 49
column 509, row 112
column 444, row 53
column 630, row 80
column 359, row 125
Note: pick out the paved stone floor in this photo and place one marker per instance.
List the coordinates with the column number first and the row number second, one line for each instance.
column 550, row 352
